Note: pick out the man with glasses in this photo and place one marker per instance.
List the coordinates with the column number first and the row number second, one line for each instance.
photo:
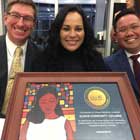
column 19, row 20
column 127, row 34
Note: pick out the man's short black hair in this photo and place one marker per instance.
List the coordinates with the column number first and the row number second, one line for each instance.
column 123, row 13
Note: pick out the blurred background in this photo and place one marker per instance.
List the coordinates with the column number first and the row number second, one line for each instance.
column 99, row 12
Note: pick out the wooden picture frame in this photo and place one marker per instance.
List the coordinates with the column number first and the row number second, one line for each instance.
column 98, row 95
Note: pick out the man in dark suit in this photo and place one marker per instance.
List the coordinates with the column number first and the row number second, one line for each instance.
column 19, row 20
column 127, row 34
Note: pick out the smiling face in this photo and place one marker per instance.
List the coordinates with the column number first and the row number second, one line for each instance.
column 128, row 33
column 48, row 103
column 72, row 32
column 19, row 29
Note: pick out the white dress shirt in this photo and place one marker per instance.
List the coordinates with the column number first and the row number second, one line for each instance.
column 10, row 52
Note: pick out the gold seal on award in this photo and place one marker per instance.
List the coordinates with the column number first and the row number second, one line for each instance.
column 97, row 97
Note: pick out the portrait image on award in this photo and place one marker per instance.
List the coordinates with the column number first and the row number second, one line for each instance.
column 43, row 114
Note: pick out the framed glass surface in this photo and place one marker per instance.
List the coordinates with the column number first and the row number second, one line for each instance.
column 97, row 105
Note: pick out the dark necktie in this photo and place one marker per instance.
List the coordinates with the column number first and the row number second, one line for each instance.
column 136, row 67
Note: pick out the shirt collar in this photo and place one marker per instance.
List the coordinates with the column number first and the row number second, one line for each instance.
column 130, row 54
column 11, row 46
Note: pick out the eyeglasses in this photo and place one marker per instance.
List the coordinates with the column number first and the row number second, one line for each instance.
column 133, row 27
column 16, row 16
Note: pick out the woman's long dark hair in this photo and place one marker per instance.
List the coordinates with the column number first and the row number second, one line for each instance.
column 36, row 115
column 54, row 34
column 92, row 59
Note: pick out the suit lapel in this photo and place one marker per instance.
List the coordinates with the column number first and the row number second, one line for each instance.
column 3, row 59
column 28, row 57
column 3, row 69
column 31, row 53
column 125, row 66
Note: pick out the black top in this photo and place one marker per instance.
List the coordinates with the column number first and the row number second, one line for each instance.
column 70, row 61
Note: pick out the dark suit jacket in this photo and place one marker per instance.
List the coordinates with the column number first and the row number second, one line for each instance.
column 118, row 62
column 31, row 54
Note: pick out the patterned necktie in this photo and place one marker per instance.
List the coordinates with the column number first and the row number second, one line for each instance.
column 16, row 67
column 136, row 67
